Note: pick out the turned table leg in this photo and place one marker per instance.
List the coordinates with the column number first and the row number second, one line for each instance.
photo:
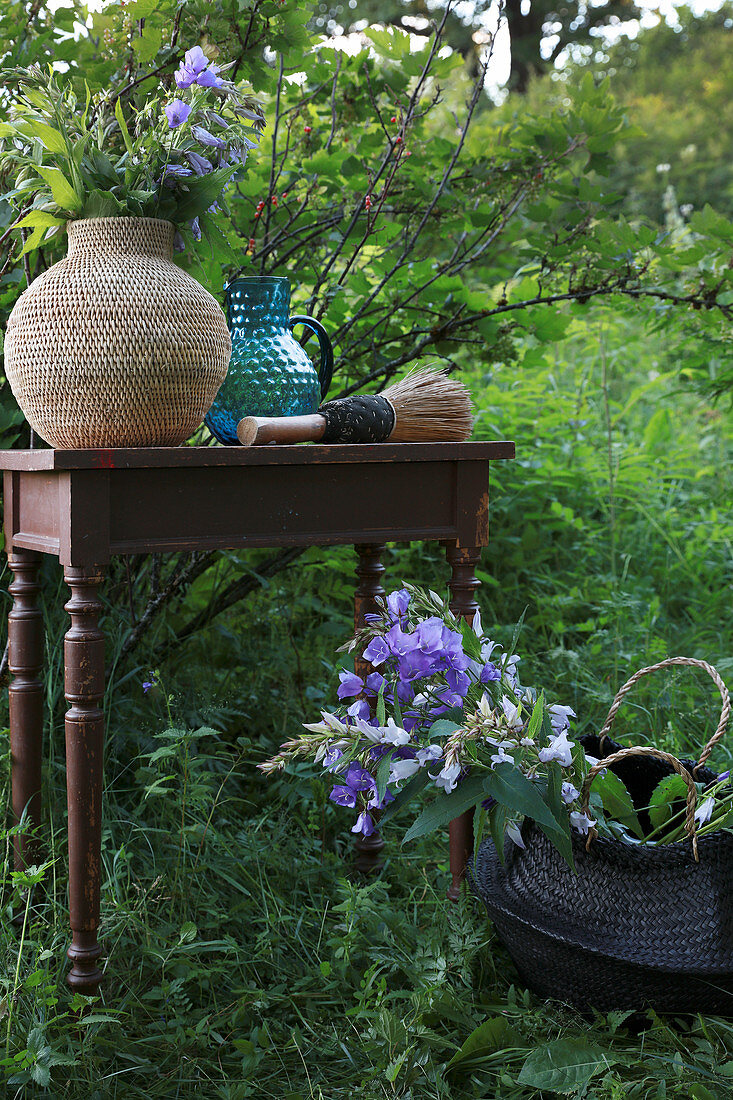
column 84, row 688
column 369, row 571
column 25, row 662
column 463, row 584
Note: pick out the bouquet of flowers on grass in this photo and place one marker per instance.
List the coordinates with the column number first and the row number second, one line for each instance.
column 169, row 156
column 444, row 712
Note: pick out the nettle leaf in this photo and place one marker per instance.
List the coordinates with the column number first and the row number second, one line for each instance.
column 565, row 1065
column 446, row 807
column 669, row 790
column 617, row 801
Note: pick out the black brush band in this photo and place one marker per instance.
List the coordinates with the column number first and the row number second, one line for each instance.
column 362, row 419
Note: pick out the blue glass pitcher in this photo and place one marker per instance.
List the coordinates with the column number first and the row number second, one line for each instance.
column 269, row 372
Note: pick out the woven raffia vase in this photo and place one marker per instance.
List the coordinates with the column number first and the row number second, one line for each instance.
column 115, row 346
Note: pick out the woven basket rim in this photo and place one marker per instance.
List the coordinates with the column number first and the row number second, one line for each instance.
column 122, row 220
column 538, row 920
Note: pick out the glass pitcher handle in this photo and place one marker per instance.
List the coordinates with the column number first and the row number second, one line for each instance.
column 325, row 371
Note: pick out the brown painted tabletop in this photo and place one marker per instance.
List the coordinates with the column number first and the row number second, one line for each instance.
column 169, row 457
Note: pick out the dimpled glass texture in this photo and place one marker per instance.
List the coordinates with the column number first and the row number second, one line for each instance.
column 269, row 372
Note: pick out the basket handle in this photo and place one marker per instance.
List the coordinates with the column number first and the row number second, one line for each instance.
column 669, row 663
column 644, row 750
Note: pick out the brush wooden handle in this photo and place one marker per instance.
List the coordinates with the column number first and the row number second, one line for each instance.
column 254, row 431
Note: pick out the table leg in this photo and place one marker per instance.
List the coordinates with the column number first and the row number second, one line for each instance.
column 25, row 662
column 369, row 571
column 463, row 584
column 84, row 688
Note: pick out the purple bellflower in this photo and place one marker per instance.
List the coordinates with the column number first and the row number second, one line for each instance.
column 200, row 165
column 197, row 69
column 364, row 824
column 207, row 138
column 177, row 112
column 350, row 685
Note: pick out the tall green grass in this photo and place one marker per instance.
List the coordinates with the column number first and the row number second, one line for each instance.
column 244, row 960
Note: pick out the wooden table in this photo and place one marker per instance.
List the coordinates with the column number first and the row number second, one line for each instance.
column 84, row 506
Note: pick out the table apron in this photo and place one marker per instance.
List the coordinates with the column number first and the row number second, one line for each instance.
column 86, row 516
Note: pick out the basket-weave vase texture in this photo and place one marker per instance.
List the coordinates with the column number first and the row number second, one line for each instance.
column 636, row 925
column 115, row 346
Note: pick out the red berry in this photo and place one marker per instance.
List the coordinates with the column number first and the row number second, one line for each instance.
column 398, row 141
column 285, row 194
column 274, row 200
column 251, row 242
column 306, row 129
column 257, row 213
column 394, row 118
column 408, row 153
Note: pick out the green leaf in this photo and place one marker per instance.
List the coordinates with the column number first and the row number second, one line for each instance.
column 123, row 125
column 63, row 193
column 381, row 712
column 51, row 139
column 147, row 45
column 102, row 204
column 416, row 784
column 497, row 827
column 554, row 794
column 617, row 802
column 35, row 239
column 479, row 826
column 535, row 720
column 565, row 1065
column 382, row 774
column 701, row 1092
column 202, row 192
column 520, row 795
column 489, row 1037
column 471, row 644
column 670, row 789
column 188, row 932
column 443, row 728
column 39, row 217
column 447, row 807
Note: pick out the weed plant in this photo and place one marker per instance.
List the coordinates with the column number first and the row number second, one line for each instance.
column 244, row 960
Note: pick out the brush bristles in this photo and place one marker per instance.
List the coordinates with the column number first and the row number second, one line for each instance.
column 430, row 407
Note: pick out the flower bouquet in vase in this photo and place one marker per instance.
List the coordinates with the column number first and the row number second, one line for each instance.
column 115, row 345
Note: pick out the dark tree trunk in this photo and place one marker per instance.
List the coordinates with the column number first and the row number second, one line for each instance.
column 525, row 32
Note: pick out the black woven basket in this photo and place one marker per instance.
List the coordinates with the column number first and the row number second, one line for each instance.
column 636, row 926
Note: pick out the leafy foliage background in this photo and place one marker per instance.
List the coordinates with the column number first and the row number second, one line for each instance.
column 243, row 961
